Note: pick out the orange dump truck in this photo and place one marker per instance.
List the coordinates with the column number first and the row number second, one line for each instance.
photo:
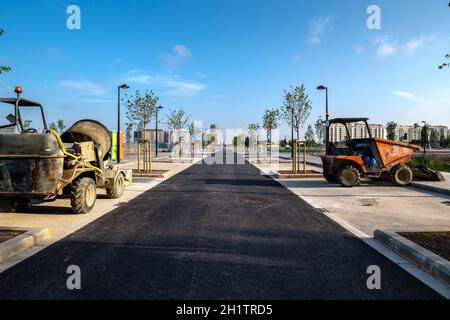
column 370, row 157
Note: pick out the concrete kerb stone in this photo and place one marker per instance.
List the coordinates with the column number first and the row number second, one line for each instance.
column 426, row 260
column 22, row 242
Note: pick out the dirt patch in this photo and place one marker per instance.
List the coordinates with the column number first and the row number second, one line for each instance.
column 8, row 234
column 436, row 242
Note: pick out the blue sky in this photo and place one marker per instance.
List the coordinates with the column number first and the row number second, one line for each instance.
column 227, row 61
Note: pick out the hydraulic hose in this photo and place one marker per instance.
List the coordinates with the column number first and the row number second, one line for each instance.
column 63, row 149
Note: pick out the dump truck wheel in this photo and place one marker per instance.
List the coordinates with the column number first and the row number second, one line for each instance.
column 331, row 178
column 348, row 177
column 83, row 195
column 13, row 204
column 402, row 176
column 117, row 189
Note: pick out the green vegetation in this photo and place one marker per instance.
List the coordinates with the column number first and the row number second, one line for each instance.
column 390, row 128
column 4, row 69
column 433, row 162
column 445, row 64
column 319, row 127
column 296, row 108
column 270, row 122
column 140, row 108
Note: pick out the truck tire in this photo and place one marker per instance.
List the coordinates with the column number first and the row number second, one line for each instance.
column 331, row 178
column 117, row 189
column 402, row 175
column 348, row 176
column 83, row 195
column 13, row 204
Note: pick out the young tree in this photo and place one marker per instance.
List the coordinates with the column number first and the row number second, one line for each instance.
column 309, row 135
column 253, row 133
column 320, row 129
column 270, row 122
column 140, row 108
column 53, row 126
column 3, row 69
column 128, row 132
column 390, row 128
column 27, row 124
column 253, row 127
column 177, row 120
column 445, row 64
column 58, row 126
column 424, row 135
column 296, row 107
column 61, row 126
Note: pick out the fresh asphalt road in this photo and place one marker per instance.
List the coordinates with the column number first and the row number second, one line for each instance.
column 211, row 232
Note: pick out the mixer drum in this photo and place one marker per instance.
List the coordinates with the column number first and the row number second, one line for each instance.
column 90, row 130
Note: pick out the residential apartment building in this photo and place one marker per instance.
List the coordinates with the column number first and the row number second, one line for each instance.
column 408, row 133
column 338, row 133
column 150, row 135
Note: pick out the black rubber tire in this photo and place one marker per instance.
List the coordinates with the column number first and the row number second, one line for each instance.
column 331, row 178
column 13, row 204
column 402, row 175
column 83, row 195
column 117, row 189
column 348, row 176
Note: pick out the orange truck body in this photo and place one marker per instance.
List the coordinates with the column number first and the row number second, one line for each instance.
column 393, row 152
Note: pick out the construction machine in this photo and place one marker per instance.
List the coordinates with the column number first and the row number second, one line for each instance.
column 374, row 158
column 45, row 166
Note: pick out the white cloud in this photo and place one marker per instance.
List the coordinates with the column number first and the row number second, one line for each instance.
column 139, row 79
column 358, row 49
column 318, row 29
column 172, row 85
column 408, row 96
column 183, row 88
column 417, row 43
column 85, row 87
column 386, row 47
column 434, row 109
column 179, row 53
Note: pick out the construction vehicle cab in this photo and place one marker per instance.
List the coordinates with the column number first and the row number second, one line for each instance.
column 40, row 164
column 366, row 156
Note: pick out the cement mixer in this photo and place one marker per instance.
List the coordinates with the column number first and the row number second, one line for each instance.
column 46, row 166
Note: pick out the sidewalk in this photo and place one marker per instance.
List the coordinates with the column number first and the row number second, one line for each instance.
column 442, row 187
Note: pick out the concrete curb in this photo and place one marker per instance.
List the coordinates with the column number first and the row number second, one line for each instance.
column 22, row 242
column 157, row 174
column 426, row 260
column 427, row 187
column 293, row 176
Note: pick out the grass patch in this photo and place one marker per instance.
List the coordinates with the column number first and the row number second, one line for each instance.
column 433, row 162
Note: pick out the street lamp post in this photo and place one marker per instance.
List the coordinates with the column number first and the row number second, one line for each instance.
column 156, row 137
column 327, row 117
column 123, row 86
